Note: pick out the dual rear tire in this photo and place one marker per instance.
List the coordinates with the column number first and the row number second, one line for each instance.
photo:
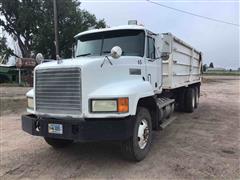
column 196, row 97
column 189, row 99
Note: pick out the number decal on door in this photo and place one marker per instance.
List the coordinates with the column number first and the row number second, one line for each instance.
column 149, row 78
column 140, row 61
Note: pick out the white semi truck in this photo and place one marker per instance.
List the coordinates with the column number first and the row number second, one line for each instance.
column 122, row 83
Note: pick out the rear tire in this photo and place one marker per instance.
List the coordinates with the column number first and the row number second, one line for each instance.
column 58, row 143
column 190, row 100
column 196, row 97
column 137, row 147
column 181, row 100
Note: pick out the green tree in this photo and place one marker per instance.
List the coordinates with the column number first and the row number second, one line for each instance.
column 204, row 68
column 31, row 23
column 211, row 65
column 4, row 50
column 20, row 21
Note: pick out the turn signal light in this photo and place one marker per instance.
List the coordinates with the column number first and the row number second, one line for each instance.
column 123, row 105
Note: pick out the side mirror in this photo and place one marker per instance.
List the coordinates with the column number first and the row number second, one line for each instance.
column 165, row 56
column 116, row 52
column 39, row 58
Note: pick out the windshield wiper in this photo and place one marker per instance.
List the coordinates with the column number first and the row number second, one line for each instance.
column 104, row 52
column 80, row 55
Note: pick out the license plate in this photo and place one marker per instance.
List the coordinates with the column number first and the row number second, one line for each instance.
column 55, row 128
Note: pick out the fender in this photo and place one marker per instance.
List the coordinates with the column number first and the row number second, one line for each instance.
column 133, row 89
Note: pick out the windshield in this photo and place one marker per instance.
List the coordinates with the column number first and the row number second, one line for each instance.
column 98, row 44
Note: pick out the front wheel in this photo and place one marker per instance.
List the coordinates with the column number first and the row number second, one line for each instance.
column 137, row 147
column 58, row 143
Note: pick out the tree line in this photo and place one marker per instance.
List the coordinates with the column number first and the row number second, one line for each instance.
column 205, row 66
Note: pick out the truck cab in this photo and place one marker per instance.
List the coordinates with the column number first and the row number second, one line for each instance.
column 112, row 89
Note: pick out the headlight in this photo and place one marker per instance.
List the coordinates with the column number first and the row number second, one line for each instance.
column 104, row 105
column 30, row 102
column 110, row 105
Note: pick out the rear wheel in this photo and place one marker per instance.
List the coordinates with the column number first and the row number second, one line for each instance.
column 196, row 97
column 190, row 100
column 58, row 143
column 137, row 147
column 180, row 101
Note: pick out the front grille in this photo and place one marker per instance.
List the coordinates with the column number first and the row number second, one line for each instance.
column 58, row 91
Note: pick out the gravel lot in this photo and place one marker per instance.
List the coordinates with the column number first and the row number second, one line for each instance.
column 204, row 144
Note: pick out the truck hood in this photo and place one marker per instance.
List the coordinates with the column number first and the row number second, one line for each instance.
column 99, row 71
column 107, row 78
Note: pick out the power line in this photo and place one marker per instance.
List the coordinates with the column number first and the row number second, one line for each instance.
column 197, row 15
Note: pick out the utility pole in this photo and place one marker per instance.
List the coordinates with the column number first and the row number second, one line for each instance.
column 56, row 27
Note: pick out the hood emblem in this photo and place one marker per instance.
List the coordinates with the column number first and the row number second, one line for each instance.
column 106, row 58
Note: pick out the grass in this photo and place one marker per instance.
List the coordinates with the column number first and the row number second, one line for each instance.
column 223, row 73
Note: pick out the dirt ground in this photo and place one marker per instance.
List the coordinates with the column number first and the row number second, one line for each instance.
column 204, row 144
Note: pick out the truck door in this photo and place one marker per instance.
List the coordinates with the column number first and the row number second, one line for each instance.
column 153, row 62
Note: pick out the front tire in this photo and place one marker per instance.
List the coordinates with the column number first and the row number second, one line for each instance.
column 58, row 143
column 137, row 147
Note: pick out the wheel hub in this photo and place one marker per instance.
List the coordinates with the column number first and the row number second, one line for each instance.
column 143, row 134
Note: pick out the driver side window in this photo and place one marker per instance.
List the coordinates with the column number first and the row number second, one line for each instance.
column 150, row 48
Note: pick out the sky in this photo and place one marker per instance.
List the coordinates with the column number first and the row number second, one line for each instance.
column 218, row 42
